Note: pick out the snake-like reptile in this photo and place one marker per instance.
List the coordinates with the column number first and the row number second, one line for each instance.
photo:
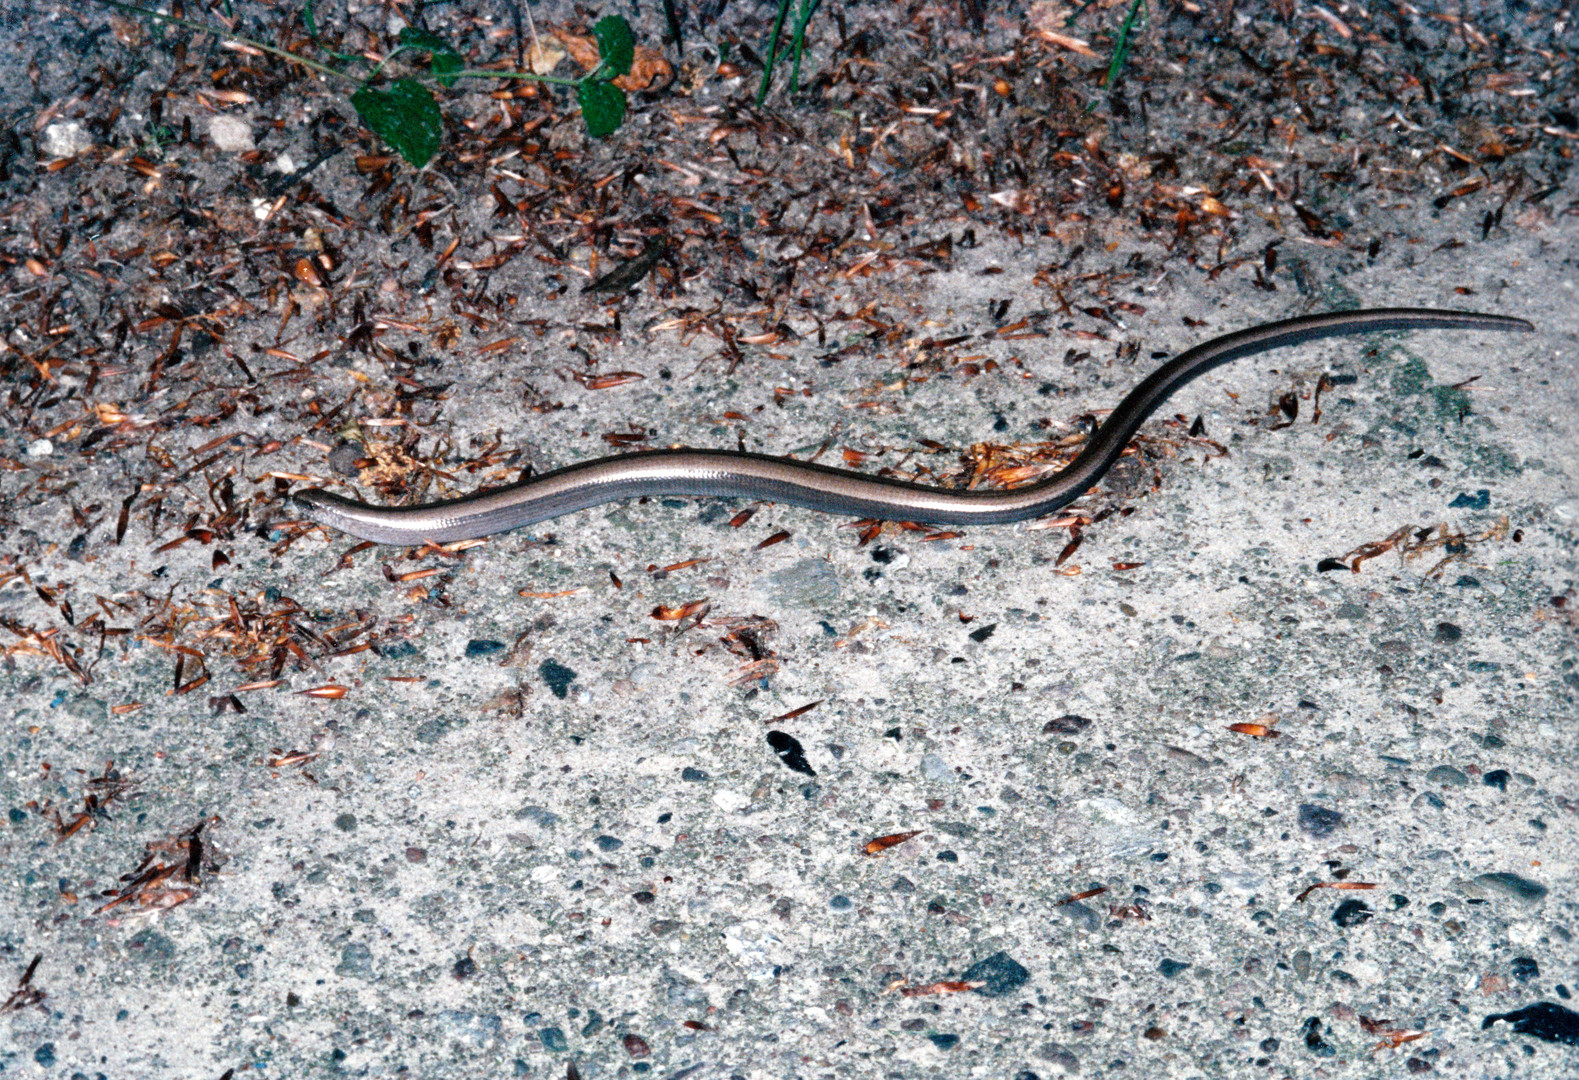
column 841, row 491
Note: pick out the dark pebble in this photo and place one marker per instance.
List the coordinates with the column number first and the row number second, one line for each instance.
column 1068, row 724
column 983, row 633
column 1544, row 1019
column 431, row 731
column 557, row 676
column 695, row 776
column 356, row 962
column 464, row 968
column 636, row 1046
column 483, row 647
column 790, row 752
column 150, row 945
column 1170, row 968
column 609, row 843
column 553, row 1039
column 643, row 897
column 45, row 1055
column 1522, row 889
column 1481, row 500
column 1447, row 776
column 1418, row 1065
column 543, row 819
column 345, row 822
column 1313, row 1040
column 1327, row 566
column 944, row 1042
column 1318, row 821
column 343, row 459
column 1497, row 778
column 1524, row 968
column 1000, row 975
column 1446, row 633
column 1351, row 913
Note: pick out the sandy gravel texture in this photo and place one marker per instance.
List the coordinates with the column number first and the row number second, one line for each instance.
column 1261, row 762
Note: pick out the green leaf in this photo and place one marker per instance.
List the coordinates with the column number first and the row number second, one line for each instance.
column 444, row 60
column 406, row 117
column 617, row 47
column 602, row 107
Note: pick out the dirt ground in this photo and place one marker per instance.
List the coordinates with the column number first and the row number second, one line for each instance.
column 1260, row 760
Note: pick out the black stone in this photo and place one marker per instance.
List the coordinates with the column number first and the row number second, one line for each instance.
column 1000, row 975
column 1544, row 1019
column 1068, row 724
column 1351, row 913
column 1318, row 821
column 557, row 676
column 790, row 752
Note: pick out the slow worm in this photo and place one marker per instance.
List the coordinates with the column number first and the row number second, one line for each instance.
column 840, row 491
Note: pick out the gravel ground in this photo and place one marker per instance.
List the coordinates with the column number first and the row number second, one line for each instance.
column 1259, row 762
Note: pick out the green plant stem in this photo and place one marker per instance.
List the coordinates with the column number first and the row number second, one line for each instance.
column 808, row 8
column 773, row 51
column 1121, row 47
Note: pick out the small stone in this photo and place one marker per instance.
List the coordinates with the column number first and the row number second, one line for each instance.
column 1497, row 778
column 231, row 134
column 1524, row 968
column 1000, row 975
column 1351, row 913
column 609, row 843
column 1446, row 633
column 695, row 776
column 485, row 647
column 150, row 945
column 1313, row 1040
column 1060, row 1055
column 1318, row 821
column 345, row 822
column 469, row 1028
column 356, row 962
column 1446, row 776
column 557, row 677
column 1544, row 1019
column 343, row 459
column 1501, row 883
column 45, row 1055
column 944, row 1042
column 1068, row 724
column 553, row 1040
column 636, row 1046
column 790, row 752
column 1170, row 968
column 543, row 819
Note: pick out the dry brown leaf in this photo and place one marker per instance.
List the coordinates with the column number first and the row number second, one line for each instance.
column 649, row 70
